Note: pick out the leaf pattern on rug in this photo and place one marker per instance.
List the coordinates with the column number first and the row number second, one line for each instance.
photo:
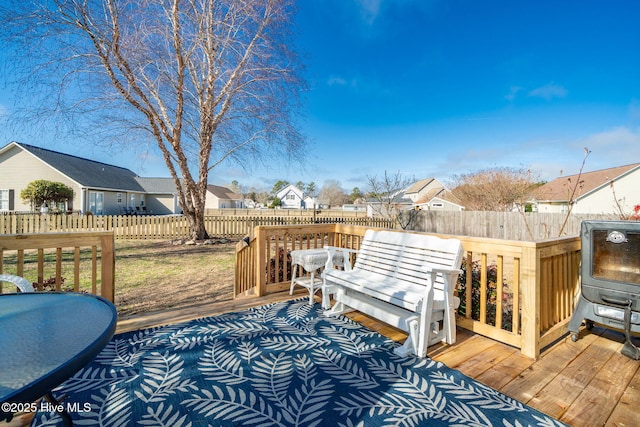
column 221, row 364
column 344, row 369
column 161, row 417
column 240, row 407
column 162, row 376
column 99, row 377
column 282, row 364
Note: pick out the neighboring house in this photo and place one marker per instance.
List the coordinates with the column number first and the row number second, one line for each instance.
column 310, row 202
column 388, row 206
column 291, row 197
column 221, row 198
column 161, row 195
column 430, row 195
column 99, row 188
column 606, row 191
column 353, row 207
column 438, row 200
column 426, row 194
column 419, row 190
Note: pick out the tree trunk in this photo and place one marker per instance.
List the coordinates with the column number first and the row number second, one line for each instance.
column 199, row 232
column 197, row 229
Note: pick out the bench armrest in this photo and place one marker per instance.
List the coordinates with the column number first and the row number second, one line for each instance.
column 443, row 270
column 447, row 275
column 334, row 251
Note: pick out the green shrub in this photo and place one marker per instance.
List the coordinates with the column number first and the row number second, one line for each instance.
column 491, row 297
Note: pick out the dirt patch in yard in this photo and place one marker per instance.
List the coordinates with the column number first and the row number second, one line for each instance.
column 156, row 275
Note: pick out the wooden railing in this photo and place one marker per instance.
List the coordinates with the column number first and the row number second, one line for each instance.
column 159, row 226
column 519, row 293
column 56, row 258
column 262, row 262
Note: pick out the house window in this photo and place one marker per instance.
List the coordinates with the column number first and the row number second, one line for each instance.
column 5, row 200
column 119, row 198
column 96, row 202
column 291, row 196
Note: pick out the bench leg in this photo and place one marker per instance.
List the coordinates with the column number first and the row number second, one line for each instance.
column 410, row 344
column 327, row 292
column 337, row 309
column 449, row 325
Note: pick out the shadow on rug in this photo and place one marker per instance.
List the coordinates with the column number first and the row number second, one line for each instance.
column 283, row 364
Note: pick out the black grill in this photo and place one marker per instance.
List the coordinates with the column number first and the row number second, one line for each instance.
column 610, row 279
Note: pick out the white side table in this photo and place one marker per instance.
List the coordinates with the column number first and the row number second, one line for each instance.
column 311, row 260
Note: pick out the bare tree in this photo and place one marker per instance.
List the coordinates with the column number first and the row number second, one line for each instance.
column 387, row 193
column 494, row 189
column 332, row 193
column 574, row 190
column 204, row 80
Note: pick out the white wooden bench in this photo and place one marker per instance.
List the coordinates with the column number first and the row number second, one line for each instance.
column 403, row 279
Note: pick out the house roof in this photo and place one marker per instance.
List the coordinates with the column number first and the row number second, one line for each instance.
column 87, row 173
column 157, row 185
column 441, row 194
column 559, row 190
column 223, row 192
column 419, row 185
column 290, row 188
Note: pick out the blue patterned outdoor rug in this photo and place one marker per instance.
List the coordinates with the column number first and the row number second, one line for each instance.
column 282, row 364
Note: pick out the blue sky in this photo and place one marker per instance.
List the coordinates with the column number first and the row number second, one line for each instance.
column 436, row 88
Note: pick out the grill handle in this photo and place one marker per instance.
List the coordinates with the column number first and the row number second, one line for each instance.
column 614, row 301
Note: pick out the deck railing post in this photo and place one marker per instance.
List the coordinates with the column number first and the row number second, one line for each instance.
column 530, row 291
column 261, row 257
column 108, row 267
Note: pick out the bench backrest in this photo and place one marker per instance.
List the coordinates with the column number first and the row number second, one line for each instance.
column 404, row 256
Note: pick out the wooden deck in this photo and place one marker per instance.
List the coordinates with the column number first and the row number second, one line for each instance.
column 586, row 383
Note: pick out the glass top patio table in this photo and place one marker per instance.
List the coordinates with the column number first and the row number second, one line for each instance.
column 45, row 338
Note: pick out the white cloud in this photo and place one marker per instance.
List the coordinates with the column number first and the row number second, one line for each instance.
column 513, row 92
column 337, row 81
column 618, row 142
column 634, row 110
column 369, row 10
column 549, row 91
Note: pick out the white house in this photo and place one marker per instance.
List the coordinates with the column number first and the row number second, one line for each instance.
column 221, row 198
column 606, row 191
column 291, row 197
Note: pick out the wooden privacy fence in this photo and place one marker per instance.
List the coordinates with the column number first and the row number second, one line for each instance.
column 158, row 226
column 82, row 262
column 519, row 293
column 529, row 226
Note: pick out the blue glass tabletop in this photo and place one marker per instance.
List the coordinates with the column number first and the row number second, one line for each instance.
column 46, row 337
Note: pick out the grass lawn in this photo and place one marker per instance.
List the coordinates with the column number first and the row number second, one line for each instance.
column 151, row 275
column 155, row 275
